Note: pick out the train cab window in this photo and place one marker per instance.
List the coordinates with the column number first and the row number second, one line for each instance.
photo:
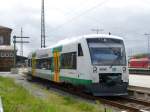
column 80, row 51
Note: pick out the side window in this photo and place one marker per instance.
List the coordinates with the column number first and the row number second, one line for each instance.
column 80, row 51
column 44, row 63
column 37, row 63
column 29, row 62
column 68, row 60
column 50, row 63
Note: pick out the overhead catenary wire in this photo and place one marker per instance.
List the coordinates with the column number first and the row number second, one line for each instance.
column 81, row 14
column 70, row 11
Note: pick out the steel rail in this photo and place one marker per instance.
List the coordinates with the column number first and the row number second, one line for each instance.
column 139, row 71
column 138, row 101
column 110, row 102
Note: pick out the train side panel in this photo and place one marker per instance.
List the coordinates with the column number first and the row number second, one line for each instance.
column 72, row 63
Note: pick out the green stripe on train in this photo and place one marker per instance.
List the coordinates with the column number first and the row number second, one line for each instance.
column 74, row 81
column 57, row 49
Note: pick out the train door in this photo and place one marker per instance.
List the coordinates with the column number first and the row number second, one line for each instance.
column 56, row 66
column 80, row 61
column 33, row 65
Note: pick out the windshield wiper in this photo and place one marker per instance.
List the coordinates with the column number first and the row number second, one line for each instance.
column 108, row 46
column 118, row 57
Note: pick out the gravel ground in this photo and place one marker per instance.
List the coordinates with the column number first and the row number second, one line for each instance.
column 39, row 91
column 21, row 80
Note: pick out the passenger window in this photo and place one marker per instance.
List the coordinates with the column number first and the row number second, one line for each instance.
column 68, row 60
column 44, row 63
column 80, row 51
column 29, row 62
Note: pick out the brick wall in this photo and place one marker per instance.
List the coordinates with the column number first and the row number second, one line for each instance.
column 6, row 33
column 6, row 58
column 6, row 63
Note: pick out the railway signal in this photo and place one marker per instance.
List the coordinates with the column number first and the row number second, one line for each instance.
column 15, row 41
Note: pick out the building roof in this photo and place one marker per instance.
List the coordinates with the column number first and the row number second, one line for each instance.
column 3, row 27
column 140, row 59
column 6, row 48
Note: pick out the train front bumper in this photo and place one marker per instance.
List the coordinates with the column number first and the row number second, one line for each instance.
column 98, row 89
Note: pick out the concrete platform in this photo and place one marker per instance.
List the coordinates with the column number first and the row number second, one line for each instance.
column 139, row 86
column 139, row 89
column 139, row 80
column 139, row 92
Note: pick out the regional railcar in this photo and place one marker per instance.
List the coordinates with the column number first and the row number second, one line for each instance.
column 97, row 62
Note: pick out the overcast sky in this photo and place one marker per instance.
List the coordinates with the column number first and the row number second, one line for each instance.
column 67, row 18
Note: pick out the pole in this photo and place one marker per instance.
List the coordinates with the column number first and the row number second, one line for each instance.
column 21, row 44
column 42, row 25
column 148, row 44
column 14, row 37
column 15, row 41
column 97, row 30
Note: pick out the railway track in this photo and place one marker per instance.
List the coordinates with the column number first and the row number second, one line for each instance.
column 132, row 103
column 139, row 71
column 124, row 103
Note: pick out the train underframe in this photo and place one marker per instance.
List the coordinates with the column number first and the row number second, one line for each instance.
column 105, row 89
column 109, row 87
column 110, row 84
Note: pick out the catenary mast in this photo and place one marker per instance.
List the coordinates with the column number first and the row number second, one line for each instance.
column 42, row 26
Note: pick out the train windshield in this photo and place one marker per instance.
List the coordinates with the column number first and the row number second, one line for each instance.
column 107, row 52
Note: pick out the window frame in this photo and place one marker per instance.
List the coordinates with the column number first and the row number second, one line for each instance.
column 71, row 64
column 80, row 50
column 47, row 62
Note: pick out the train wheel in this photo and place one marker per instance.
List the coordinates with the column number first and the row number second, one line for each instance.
column 29, row 77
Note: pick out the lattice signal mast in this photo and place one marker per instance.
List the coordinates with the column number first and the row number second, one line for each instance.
column 42, row 26
column 21, row 44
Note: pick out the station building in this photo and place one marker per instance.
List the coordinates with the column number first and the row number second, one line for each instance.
column 6, row 49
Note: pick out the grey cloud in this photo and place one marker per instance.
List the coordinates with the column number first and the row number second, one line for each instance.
column 122, row 22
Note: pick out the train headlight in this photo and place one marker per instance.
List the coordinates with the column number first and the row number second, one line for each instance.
column 124, row 69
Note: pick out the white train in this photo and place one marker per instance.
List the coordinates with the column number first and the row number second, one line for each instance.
column 96, row 62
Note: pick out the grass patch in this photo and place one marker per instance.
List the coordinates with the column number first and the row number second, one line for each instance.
column 17, row 99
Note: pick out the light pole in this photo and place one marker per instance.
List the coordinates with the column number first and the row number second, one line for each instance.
column 148, row 38
column 43, row 26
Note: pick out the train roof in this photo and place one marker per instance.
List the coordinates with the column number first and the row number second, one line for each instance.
column 77, row 38
column 102, row 36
